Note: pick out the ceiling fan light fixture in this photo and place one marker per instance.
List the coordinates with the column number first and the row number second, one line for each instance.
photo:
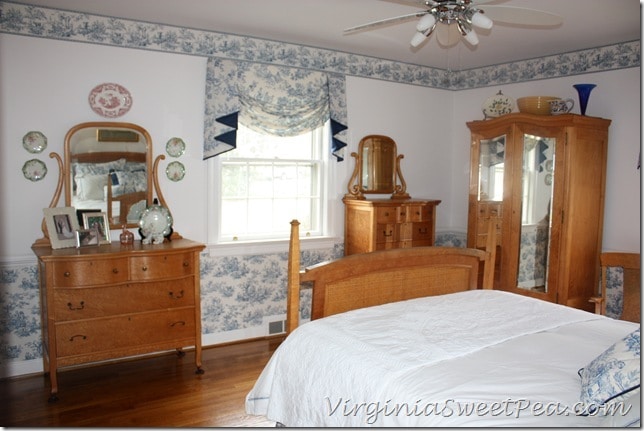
column 426, row 22
column 481, row 21
column 418, row 38
column 466, row 31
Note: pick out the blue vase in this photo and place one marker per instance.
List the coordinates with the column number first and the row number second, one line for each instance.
column 584, row 94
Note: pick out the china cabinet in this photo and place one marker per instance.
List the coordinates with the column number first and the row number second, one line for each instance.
column 121, row 298
column 544, row 178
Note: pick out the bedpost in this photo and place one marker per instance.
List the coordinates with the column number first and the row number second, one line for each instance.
column 490, row 248
column 293, row 284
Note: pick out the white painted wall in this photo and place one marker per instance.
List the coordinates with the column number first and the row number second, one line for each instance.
column 44, row 85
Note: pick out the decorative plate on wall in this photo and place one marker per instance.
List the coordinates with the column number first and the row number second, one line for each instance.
column 110, row 100
column 34, row 142
column 175, row 171
column 34, row 170
column 175, row 147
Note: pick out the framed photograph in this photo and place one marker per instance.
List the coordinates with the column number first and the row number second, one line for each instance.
column 86, row 237
column 98, row 221
column 62, row 225
column 80, row 213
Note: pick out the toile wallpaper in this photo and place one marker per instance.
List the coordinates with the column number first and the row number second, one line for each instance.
column 238, row 292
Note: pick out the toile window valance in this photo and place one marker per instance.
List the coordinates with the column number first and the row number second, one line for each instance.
column 277, row 100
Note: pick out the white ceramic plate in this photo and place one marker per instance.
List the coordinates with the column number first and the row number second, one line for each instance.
column 175, row 171
column 175, row 147
column 34, row 170
column 110, row 100
column 34, row 142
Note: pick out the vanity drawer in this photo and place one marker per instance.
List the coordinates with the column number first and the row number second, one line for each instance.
column 422, row 232
column 161, row 266
column 122, row 332
column 78, row 304
column 77, row 273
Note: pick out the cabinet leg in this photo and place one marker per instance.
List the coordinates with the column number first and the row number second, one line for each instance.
column 53, row 397
column 199, row 370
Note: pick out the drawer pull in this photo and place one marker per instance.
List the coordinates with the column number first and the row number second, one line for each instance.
column 180, row 295
column 180, row 322
column 422, row 231
column 186, row 263
column 115, row 270
column 145, row 268
column 67, row 274
column 384, row 233
column 402, row 214
column 84, row 337
column 82, row 305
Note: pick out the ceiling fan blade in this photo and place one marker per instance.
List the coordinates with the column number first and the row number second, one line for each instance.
column 447, row 35
column 521, row 16
column 385, row 21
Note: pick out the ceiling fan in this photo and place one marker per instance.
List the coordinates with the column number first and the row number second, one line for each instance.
column 459, row 17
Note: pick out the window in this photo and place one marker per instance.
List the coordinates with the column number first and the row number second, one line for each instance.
column 267, row 181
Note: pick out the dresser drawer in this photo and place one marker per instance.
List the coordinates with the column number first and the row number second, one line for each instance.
column 122, row 332
column 161, row 266
column 422, row 232
column 386, row 215
column 78, row 304
column 75, row 273
column 387, row 233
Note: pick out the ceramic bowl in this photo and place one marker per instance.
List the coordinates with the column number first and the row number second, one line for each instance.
column 538, row 105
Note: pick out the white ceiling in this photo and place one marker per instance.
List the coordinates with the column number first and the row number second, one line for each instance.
column 320, row 23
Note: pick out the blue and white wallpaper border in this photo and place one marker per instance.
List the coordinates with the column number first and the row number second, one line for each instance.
column 57, row 24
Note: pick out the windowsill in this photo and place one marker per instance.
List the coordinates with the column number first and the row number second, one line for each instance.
column 267, row 247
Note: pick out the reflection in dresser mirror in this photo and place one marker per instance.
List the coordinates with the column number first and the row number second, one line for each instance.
column 108, row 168
column 377, row 169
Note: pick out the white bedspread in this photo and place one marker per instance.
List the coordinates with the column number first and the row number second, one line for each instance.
column 418, row 362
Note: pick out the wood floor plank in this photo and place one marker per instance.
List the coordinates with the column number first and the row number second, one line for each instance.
column 159, row 391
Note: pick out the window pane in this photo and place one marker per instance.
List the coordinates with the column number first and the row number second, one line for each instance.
column 267, row 181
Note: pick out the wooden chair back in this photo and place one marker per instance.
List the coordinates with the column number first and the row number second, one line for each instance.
column 631, row 264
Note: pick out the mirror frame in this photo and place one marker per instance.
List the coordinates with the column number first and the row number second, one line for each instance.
column 67, row 177
column 358, row 190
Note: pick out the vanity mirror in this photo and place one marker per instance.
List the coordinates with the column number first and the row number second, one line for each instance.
column 108, row 168
column 377, row 169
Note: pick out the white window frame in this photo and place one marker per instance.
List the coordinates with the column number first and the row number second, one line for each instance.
column 329, row 207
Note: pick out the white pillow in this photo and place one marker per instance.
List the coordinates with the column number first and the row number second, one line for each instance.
column 613, row 374
column 90, row 187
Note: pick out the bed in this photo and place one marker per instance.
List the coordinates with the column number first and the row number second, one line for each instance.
column 402, row 338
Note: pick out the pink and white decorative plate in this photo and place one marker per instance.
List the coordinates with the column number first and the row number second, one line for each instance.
column 110, row 100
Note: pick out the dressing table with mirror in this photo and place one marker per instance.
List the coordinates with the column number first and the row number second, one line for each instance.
column 381, row 223
column 115, row 300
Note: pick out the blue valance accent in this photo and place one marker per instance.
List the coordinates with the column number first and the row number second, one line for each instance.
column 277, row 100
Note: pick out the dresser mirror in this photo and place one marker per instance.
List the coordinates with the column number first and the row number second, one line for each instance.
column 537, row 191
column 108, row 168
column 377, row 169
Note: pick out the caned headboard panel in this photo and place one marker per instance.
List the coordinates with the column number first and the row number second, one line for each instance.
column 380, row 277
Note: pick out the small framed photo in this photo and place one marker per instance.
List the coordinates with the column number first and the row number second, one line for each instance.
column 62, row 225
column 99, row 222
column 86, row 237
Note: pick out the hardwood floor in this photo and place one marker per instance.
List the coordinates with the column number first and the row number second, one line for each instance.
column 160, row 391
